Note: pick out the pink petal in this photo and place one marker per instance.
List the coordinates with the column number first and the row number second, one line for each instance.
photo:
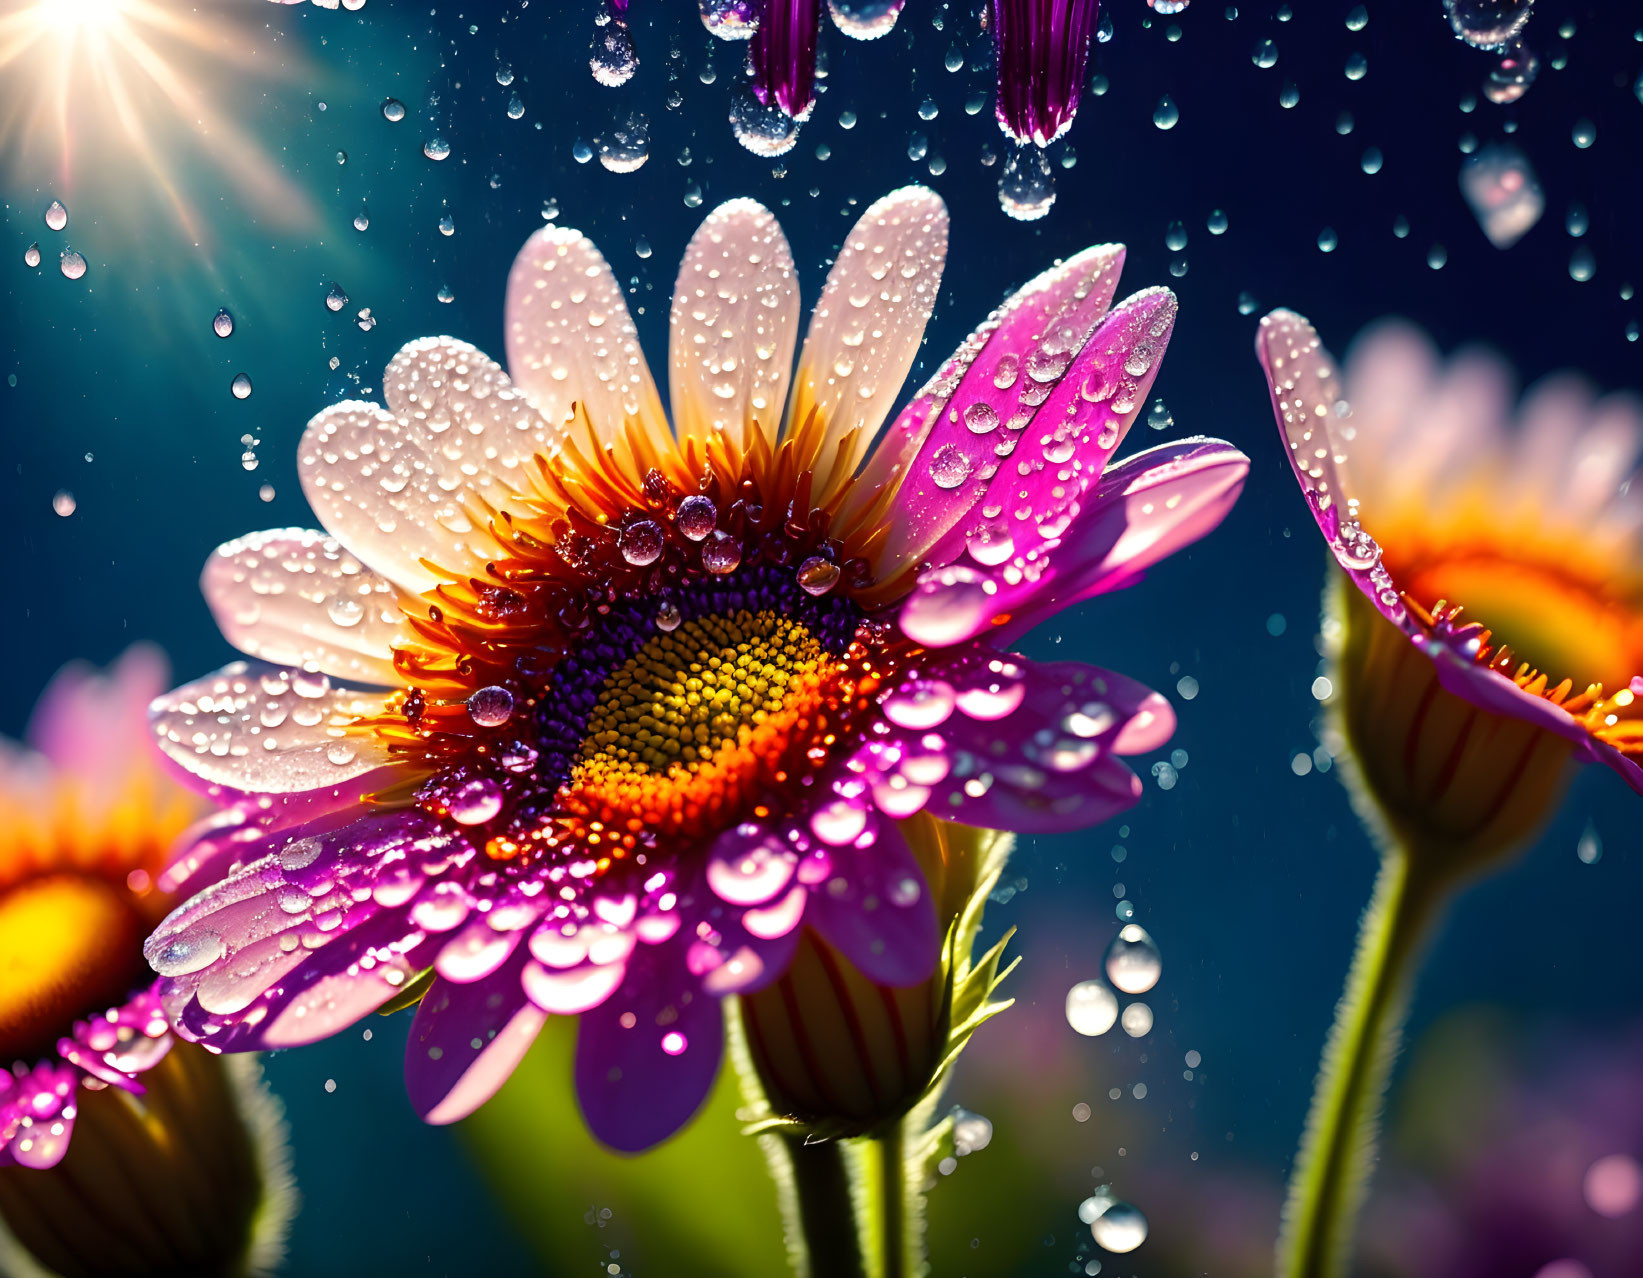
column 988, row 380
column 875, row 908
column 446, row 1075
column 647, row 1057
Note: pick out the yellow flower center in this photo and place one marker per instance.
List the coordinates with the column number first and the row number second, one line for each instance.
column 686, row 729
column 70, row 946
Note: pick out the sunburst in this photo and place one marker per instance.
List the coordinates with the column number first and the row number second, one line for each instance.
column 100, row 86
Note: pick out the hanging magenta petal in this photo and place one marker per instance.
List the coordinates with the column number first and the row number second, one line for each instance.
column 783, row 55
column 1042, row 48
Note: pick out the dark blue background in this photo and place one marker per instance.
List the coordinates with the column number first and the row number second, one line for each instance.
column 1249, row 876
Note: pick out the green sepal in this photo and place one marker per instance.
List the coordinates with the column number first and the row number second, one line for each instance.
column 410, row 995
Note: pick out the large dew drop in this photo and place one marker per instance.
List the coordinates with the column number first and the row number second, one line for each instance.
column 1026, row 187
column 628, row 145
column 766, row 131
column 1092, row 1009
column 730, row 19
column 613, row 59
column 865, row 19
column 1503, row 192
column 1119, row 1227
column 1133, row 962
column 1488, row 24
column 188, row 953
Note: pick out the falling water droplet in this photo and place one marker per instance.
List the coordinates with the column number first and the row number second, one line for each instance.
column 865, row 19
column 766, row 131
column 362, row 219
column 222, row 323
column 1137, row 1020
column 393, row 110
column 63, row 503
column 335, row 298
column 1159, row 416
column 1120, row 1228
column 1590, row 847
column 1133, row 963
column 730, row 19
column 1166, row 115
column 31, row 255
column 1092, row 1009
column 1505, row 196
column 72, row 264
column 56, row 216
column 240, row 387
column 628, row 145
column 447, row 225
column 516, row 107
column 1487, row 24
column 1026, row 187
column 1511, row 77
column 436, row 148
column 1265, row 55
column 614, row 58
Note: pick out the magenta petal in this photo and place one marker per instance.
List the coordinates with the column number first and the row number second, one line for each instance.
column 783, row 55
column 646, row 1058
column 1145, row 509
column 1042, row 48
column 875, row 908
column 948, row 439
column 446, row 1076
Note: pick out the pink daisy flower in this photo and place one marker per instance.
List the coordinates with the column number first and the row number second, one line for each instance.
column 575, row 712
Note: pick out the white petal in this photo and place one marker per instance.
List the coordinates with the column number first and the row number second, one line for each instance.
column 268, row 730
column 870, row 319
column 570, row 338
column 734, row 324
column 474, row 424
column 384, row 498
column 295, row 597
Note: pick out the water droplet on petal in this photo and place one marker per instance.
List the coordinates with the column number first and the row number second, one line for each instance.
column 490, row 706
column 189, row 952
column 642, row 542
column 722, row 553
column 817, row 576
column 949, row 467
column 696, row 517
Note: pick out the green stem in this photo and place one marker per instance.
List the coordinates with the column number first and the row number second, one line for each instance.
column 822, row 1213
column 1337, row 1153
column 848, row 1211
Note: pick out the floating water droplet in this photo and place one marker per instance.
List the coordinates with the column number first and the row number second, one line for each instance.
column 1265, row 55
column 1488, row 24
column 222, row 323
column 362, row 219
column 1159, row 417
column 516, row 107
column 72, row 264
column 729, row 19
column 63, row 503
column 335, row 298
column 436, row 148
column 1092, row 1009
column 1133, row 963
column 1327, row 240
column 504, row 75
column 1584, row 134
column 1120, row 1228
column 1372, row 161
column 642, row 542
column 971, row 1131
column 1026, row 186
column 240, row 387
column 1247, row 303
column 444, row 294
column 447, row 225
column 954, row 60
column 627, row 147
column 1166, row 115
column 31, row 255
column 1589, row 848
column 1137, row 1020
column 1582, row 265
column 393, row 110
column 1357, row 66
column 865, row 19
column 1511, row 77
column 722, row 553
column 490, row 706
column 764, row 130
column 696, row 517
column 614, row 59
column 56, row 216
column 1169, row 8
column 1357, row 18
